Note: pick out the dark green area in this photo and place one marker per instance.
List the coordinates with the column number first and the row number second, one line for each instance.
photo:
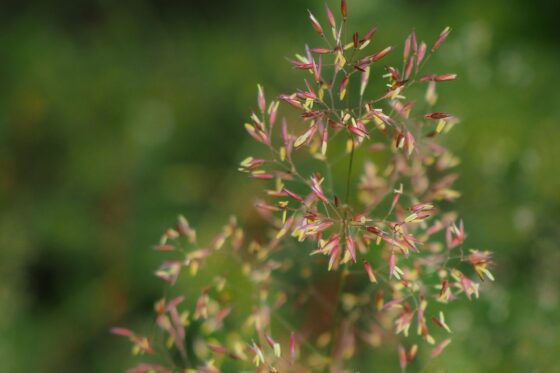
column 115, row 116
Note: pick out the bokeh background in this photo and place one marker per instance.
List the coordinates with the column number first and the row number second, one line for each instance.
column 115, row 116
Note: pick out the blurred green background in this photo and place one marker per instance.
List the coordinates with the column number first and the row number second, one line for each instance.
column 115, row 116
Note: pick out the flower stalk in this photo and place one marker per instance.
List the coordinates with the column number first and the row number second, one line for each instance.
column 393, row 232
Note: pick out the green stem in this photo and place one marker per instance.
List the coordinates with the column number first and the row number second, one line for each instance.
column 349, row 175
column 341, row 283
